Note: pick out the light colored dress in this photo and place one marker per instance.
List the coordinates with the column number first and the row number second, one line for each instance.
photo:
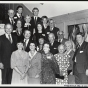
column 35, row 68
column 21, row 61
column 63, row 63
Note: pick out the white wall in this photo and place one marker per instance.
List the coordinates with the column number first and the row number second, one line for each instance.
column 56, row 8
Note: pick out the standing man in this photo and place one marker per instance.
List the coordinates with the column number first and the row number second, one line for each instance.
column 34, row 20
column 53, row 44
column 81, row 60
column 19, row 15
column 7, row 46
column 52, row 28
column 10, row 18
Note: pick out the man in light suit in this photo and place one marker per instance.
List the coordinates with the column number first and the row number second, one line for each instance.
column 81, row 60
column 8, row 44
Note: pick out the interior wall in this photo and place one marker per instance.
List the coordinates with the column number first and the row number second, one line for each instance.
column 63, row 21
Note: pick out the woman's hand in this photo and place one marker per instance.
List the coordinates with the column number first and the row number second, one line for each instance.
column 22, row 76
column 36, row 76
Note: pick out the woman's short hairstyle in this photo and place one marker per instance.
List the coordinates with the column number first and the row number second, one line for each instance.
column 33, row 43
column 69, row 42
column 47, row 44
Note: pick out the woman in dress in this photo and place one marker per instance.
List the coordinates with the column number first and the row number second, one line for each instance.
column 70, row 52
column 19, row 64
column 34, row 72
column 49, row 66
column 63, row 63
column 40, row 32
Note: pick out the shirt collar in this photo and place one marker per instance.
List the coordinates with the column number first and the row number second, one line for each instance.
column 33, row 55
column 18, row 14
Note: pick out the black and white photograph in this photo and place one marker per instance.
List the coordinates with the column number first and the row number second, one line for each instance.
column 44, row 43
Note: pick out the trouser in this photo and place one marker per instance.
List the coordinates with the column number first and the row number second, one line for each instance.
column 80, row 78
column 6, row 75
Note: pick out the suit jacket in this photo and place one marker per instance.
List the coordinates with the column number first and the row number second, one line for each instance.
column 54, row 48
column 27, row 47
column 81, row 56
column 55, row 30
column 6, row 49
column 8, row 21
column 34, row 25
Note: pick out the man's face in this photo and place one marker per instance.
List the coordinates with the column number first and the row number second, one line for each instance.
column 51, row 38
column 27, row 34
column 20, row 10
column 35, row 12
column 8, row 29
column 52, row 23
column 79, row 39
column 11, row 13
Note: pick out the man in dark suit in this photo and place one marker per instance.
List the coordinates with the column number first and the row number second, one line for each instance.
column 61, row 38
column 7, row 46
column 81, row 60
column 34, row 20
column 26, row 40
column 10, row 18
column 52, row 28
column 19, row 15
column 53, row 44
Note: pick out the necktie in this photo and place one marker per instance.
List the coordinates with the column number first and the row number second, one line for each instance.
column 9, row 38
column 25, row 44
column 12, row 21
column 35, row 20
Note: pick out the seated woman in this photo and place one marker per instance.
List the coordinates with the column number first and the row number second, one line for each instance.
column 63, row 64
column 40, row 45
column 19, row 31
column 40, row 32
column 49, row 66
column 70, row 52
column 19, row 64
column 34, row 72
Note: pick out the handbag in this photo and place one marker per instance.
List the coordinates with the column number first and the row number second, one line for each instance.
column 71, row 79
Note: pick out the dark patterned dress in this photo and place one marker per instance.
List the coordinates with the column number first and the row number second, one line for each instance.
column 63, row 63
column 49, row 69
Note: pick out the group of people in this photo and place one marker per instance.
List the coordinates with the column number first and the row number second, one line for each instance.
column 34, row 51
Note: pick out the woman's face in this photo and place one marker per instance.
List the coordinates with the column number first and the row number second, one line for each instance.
column 68, row 46
column 41, row 41
column 61, row 49
column 28, row 19
column 39, row 27
column 32, row 46
column 46, row 48
column 20, row 46
column 18, row 24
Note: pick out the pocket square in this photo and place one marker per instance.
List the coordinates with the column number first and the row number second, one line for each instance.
column 81, row 51
column 15, row 17
column 55, row 48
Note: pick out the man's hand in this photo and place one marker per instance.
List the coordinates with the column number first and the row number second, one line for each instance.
column 87, row 72
column 1, row 66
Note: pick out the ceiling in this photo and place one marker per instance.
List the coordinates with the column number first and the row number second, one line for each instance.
column 57, row 8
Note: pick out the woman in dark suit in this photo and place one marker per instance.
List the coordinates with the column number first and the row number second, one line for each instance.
column 19, row 31
column 49, row 66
